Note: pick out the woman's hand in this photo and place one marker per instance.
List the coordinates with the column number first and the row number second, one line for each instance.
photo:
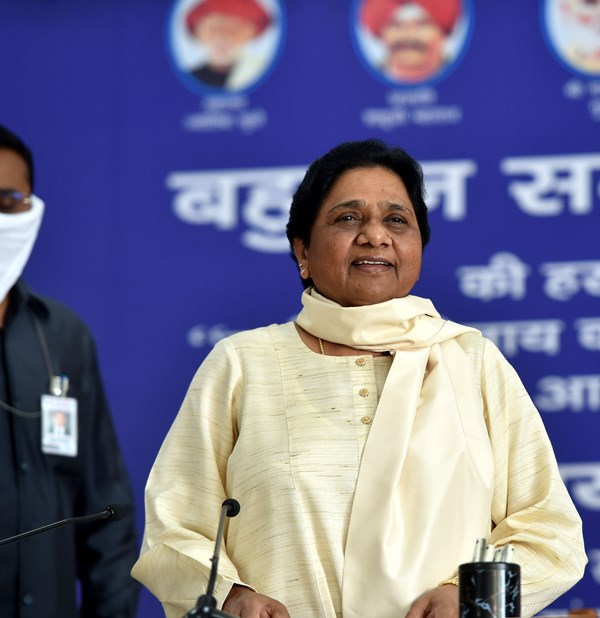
column 440, row 602
column 246, row 603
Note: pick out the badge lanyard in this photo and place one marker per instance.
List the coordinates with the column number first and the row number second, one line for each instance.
column 58, row 412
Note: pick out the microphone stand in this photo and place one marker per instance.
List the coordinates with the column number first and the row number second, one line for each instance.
column 109, row 513
column 207, row 604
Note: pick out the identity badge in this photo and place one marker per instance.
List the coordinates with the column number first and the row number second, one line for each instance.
column 59, row 425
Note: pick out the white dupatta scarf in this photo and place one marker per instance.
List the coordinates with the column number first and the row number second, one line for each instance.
column 424, row 489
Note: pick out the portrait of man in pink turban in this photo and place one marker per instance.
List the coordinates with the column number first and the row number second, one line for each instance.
column 413, row 35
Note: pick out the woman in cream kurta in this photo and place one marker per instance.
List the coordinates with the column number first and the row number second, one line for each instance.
column 282, row 429
column 369, row 444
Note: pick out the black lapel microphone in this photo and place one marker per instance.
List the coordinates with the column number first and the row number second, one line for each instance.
column 110, row 512
column 207, row 604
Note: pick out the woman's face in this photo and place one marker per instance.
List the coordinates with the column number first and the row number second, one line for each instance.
column 365, row 244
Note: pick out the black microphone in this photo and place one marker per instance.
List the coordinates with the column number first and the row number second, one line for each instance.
column 115, row 512
column 207, row 604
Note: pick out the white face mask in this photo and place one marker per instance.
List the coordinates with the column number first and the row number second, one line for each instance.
column 17, row 237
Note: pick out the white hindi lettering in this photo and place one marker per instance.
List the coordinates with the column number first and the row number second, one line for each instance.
column 263, row 196
column 565, row 279
column 556, row 183
column 583, row 482
column 446, row 183
column 201, row 335
column 588, row 333
column 260, row 198
column 504, row 277
column 575, row 393
column 266, row 212
column 203, row 199
column 535, row 336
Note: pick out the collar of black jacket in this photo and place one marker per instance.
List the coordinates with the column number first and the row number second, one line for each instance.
column 22, row 295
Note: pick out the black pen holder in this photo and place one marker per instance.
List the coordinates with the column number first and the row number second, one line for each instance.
column 489, row 590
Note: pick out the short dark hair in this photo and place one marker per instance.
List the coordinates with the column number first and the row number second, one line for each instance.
column 10, row 141
column 322, row 174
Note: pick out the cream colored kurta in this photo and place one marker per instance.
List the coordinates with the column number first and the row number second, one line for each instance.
column 282, row 430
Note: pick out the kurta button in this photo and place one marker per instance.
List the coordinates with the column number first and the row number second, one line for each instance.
column 24, row 466
column 363, row 392
column 27, row 599
column 366, row 420
column 360, row 361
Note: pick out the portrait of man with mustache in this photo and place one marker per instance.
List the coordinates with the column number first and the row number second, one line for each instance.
column 413, row 33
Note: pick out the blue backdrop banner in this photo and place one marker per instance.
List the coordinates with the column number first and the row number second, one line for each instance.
column 168, row 183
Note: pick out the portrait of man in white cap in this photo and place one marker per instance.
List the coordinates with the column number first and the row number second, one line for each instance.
column 574, row 29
